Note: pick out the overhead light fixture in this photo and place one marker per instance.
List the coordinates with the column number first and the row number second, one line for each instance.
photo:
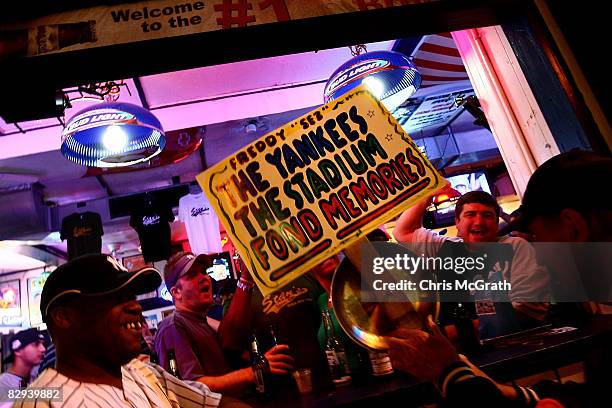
column 390, row 76
column 114, row 138
column 114, row 134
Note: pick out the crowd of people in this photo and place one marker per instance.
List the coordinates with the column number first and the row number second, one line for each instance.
column 104, row 356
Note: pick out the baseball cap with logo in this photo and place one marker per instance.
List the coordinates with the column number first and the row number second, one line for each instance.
column 181, row 263
column 22, row 339
column 94, row 275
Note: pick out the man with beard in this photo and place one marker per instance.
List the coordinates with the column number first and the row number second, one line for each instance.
column 89, row 306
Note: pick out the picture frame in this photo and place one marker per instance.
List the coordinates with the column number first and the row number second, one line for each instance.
column 10, row 303
column 136, row 262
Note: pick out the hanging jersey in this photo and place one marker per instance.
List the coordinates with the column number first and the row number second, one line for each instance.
column 201, row 223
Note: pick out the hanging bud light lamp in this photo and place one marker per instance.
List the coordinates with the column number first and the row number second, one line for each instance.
column 114, row 134
column 389, row 75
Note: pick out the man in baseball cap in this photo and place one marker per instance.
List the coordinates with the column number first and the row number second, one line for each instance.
column 90, row 307
column 26, row 351
column 200, row 350
column 94, row 275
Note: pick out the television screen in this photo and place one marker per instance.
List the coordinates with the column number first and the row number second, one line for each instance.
column 221, row 268
column 443, row 215
column 135, row 262
column 475, row 181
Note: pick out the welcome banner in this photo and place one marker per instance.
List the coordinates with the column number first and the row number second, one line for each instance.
column 146, row 20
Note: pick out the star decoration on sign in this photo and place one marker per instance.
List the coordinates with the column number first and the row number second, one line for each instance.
column 370, row 113
column 389, row 137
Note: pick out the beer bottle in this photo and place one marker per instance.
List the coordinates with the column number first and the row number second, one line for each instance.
column 466, row 334
column 260, row 366
column 46, row 38
column 381, row 363
column 274, row 334
column 172, row 364
column 334, row 351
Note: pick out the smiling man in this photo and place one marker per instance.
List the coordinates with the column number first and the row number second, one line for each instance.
column 198, row 348
column 89, row 306
column 578, row 217
column 477, row 221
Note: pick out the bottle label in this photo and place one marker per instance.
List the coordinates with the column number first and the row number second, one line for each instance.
column 343, row 362
column 332, row 361
column 338, row 367
column 381, row 363
column 43, row 39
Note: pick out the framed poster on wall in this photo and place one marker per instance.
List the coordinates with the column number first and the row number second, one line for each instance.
column 10, row 303
column 135, row 262
column 35, row 286
column 10, row 297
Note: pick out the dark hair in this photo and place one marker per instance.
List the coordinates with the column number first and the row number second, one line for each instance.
column 479, row 197
column 377, row 235
column 574, row 179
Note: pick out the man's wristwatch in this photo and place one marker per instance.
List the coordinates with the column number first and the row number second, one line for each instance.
column 245, row 285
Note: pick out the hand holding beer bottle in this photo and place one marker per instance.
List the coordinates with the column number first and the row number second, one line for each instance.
column 281, row 362
column 275, row 361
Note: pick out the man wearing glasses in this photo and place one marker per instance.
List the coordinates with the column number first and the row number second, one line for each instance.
column 199, row 349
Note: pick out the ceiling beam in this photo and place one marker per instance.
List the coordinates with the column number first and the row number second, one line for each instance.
column 141, row 93
column 44, row 253
column 104, row 185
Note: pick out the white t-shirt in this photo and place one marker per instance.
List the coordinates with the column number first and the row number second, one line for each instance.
column 201, row 223
column 529, row 280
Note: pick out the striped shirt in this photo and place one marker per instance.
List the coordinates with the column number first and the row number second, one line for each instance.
column 458, row 382
column 143, row 386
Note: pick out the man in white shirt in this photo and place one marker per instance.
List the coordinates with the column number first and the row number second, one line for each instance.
column 90, row 309
column 477, row 221
column 578, row 217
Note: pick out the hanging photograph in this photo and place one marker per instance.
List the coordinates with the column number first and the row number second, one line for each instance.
column 10, row 298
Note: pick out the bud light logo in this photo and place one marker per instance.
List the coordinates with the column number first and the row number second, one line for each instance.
column 354, row 72
column 95, row 118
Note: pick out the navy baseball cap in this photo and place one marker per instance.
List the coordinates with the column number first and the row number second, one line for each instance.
column 181, row 263
column 25, row 337
column 94, row 275
column 22, row 339
column 575, row 179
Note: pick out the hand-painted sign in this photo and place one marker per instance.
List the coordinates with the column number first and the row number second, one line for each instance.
column 311, row 188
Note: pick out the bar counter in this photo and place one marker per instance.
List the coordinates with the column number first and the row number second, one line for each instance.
column 512, row 358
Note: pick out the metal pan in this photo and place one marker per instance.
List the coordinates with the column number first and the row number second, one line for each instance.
column 369, row 323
